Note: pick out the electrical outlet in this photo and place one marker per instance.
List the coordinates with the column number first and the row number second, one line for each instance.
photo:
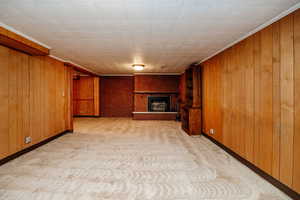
column 27, row 140
column 212, row 131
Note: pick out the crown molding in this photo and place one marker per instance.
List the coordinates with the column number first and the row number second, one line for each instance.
column 84, row 68
column 24, row 35
column 57, row 58
column 259, row 28
column 75, row 64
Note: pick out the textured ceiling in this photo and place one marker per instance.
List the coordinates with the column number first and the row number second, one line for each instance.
column 107, row 36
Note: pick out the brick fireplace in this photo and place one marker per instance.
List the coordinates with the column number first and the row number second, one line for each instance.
column 155, row 97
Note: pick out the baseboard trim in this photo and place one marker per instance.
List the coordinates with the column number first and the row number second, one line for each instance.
column 28, row 149
column 287, row 190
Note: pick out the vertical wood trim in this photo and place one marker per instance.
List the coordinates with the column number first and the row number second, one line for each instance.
column 26, row 102
column 276, row 101
column 249, row 99
column 96, row 96
column 197, row 87
column 44, row 97
column 69, row 98
column 35, row 85
column 257, row 88
column 226, row 100
column 287, row 99
column 296, row 170
column 60, row 104
column 71, row 94
column 266, row 100
column 14, row 137
column 4, row 102
column 233, row 107
column 239, row 83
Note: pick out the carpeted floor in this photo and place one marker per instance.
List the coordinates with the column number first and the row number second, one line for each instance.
column 123, row 159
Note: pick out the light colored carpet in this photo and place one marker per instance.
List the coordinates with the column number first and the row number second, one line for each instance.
column 123, row 159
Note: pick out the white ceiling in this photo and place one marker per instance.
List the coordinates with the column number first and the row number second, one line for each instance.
column 107, row 36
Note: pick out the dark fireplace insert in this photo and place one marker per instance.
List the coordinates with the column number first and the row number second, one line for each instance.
column 159, row 103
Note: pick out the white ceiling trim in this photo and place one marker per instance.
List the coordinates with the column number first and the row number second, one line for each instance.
column 24, row 35
column 62, row 60
column 57, row 58
column 259, row 28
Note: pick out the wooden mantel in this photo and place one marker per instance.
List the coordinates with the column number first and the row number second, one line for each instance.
column 155, row 92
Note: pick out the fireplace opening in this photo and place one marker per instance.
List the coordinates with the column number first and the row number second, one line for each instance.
column 159, row 104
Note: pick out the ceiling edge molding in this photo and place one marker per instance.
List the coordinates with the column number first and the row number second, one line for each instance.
column 87, row 69
column 67, row 61
column 24, row 35
column 57, row 58
column 260, row 27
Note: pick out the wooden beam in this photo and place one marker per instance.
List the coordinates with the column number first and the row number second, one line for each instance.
column 20, row 43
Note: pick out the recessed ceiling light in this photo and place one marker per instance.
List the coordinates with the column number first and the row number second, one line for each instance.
column 138, row 67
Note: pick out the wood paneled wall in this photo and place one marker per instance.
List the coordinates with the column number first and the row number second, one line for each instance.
column 116, row 96
column 251, row 97
column 156, row 83
column 34, row 99
column 86, row 94
column 182, row 88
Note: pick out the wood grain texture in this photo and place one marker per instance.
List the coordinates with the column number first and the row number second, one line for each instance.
column 15, row 100
column 4, row 102
column 287, row 99
column 86, row 96
column 264, row 102
column 96, row 96
column 36, row 92
column 211, row 86
column 69, row 98
column 259, row 99
column 116, row 96
column 32, row 102
column 248, row 80
column 50, row 100
column 276, row 101
column 182, row 87
column 156, row 83
column 296, row 167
